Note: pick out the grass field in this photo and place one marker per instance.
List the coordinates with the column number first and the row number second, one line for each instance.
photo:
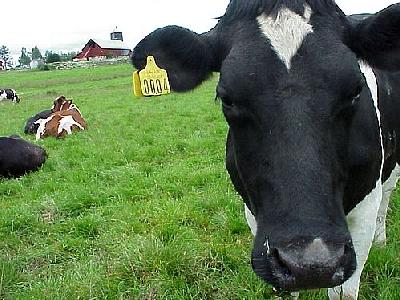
column 140, row 205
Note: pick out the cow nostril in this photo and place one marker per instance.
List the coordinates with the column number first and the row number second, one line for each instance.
column 348, row 247
column 338, row 275
column 280, row 265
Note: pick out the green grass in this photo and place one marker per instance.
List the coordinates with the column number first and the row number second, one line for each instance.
column 140, row 205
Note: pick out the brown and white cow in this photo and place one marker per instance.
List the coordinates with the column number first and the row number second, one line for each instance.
column 65, row 117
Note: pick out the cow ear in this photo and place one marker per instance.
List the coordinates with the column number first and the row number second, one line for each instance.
column 187, row 56
column 376, row 38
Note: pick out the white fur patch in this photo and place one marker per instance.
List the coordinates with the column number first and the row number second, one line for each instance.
column 3, row 96
column 362, row 226
column 251, row 220
column 286, row 32
column 362, row 219
column 42, row 126
column 66, row 124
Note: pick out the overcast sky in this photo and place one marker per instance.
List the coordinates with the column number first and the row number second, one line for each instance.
column 68, row 25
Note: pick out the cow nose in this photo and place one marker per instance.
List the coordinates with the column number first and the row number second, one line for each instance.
column 308, row 266
column 316, row 254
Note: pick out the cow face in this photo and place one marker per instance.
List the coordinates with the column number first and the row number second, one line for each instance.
column 303, row 127
column 16, row 98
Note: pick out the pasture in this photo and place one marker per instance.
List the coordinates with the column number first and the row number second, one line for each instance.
column 140, row 205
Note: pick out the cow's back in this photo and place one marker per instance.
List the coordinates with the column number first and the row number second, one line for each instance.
column 18, row 157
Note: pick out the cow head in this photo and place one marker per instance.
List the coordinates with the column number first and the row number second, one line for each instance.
column 61, row 103
column 16, row 99
column 302, row 122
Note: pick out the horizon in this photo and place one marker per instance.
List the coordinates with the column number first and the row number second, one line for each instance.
column 59, row 35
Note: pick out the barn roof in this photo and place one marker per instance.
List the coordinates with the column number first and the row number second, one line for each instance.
column 111, row 44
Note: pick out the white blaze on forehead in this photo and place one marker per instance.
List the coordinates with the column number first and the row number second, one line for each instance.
column 286, row 32
column 66, row 124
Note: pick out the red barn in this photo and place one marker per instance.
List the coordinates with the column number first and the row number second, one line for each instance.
column 100, row 49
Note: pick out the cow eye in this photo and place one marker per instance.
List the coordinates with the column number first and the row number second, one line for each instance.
column 347, row 108
column 356, row 96
column 226, row 102
column 355, row 99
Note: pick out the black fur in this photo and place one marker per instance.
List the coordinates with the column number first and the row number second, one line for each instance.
column 250, row 9
column 376, row 39
column 179, row 51
column 18, row 157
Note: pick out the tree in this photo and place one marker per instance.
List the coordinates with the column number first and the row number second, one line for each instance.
column 67, row 56
column 5, row 56
column 51, row 57
column 24, row 59
column 36, row 53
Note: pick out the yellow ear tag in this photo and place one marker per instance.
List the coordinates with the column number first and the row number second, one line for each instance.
column 136, row 84
column 153, row 80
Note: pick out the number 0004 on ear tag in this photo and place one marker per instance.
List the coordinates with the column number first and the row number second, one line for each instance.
column 151, row 81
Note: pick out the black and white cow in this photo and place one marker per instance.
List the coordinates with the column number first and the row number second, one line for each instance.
column 9, row 94
column 32, row 126
column 313, row 145
column 18, row 157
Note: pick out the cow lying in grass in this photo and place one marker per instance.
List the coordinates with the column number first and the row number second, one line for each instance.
column 31, row 126
column 9, row 94
column 63, row 118
column 313, row 112
column 18, row 157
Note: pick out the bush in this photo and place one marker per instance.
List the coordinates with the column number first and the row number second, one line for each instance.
column 45, row 67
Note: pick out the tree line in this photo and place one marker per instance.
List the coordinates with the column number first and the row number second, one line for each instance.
column 26, row 57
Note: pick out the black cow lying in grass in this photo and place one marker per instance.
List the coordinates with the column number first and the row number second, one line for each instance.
column 313, row 145
column 31, row 127
column 18, row 157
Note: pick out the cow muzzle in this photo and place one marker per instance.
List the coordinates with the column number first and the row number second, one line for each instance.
column 301, row 266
